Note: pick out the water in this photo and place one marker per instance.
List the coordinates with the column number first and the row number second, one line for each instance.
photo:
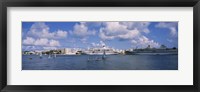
column 112, row 62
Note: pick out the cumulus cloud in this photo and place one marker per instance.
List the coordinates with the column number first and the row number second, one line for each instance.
column 41, row 30
column 170, row 40
column 114, row 30
column 83, row 40
column 95, row 44
column 100, row 44
column 61, row 34
column 53, row 43
column 131, row 31
column 169, row 25
column 29, row 48
column 39, row 34
column 141, row 26
column 29, row 41
column 49, row 48
column 143, row 42
column 41, row 42
column 40, row 37
column 37, row 48
column 81, row 30
column 173, row 31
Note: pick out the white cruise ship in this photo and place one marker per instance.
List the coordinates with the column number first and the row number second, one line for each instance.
column 163, row 50
column 100, row 51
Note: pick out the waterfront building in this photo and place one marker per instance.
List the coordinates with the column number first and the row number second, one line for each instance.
column 28, row 52
column 70, row 51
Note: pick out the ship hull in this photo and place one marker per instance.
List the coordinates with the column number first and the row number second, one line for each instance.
column 155, row 53
column 101, row 54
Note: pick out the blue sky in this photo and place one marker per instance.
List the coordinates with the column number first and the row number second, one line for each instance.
column 118, row 35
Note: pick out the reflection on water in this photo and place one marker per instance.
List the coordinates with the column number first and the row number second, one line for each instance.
column 112, row 62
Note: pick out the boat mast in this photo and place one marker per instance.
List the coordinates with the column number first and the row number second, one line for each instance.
column 104, row 53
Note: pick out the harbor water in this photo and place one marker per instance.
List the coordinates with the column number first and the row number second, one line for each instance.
column 95, row 62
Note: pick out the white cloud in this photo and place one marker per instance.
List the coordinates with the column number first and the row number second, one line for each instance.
column 170, row 40
column 141, row 26
column 81, row 30
column 173, row 31
column 39, row 34
column 83, row 40
column 143, row 42
column 103, row 36
column 134, row 42
column 41, row 42
column 41, row 30
column 129, row 35
column 100, row 44
column 61, row 34
column 33, row 48
column 28, row 48
column 53, row 43
column 169, row 25
column 29, row 41
column 49, row 48
column 95, row 44
column 114, row 30
column 131, row 31
column 40, row 37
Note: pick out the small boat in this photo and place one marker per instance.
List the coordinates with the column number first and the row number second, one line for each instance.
column 104, row 55
column 49, row 56
column 40, row 55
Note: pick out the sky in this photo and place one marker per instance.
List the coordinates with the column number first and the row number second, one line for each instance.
column 118, row 35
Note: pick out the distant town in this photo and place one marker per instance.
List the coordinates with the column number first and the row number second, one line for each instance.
column 104, row 49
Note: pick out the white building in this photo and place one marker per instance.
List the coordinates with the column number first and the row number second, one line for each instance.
column 70, row 51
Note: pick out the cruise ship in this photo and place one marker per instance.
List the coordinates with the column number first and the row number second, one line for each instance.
column 100, row 51
column 163, row 50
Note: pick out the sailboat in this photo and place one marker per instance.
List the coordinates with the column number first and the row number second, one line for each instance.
column 40, row 55
column 55, row 55
column 104, row 53
column 49, row 56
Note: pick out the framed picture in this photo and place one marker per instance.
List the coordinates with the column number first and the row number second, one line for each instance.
column 74, row 45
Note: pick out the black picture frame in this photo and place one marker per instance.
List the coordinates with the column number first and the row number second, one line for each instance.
column 101, row 3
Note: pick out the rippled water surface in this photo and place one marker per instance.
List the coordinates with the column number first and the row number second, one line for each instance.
column 111, row 62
